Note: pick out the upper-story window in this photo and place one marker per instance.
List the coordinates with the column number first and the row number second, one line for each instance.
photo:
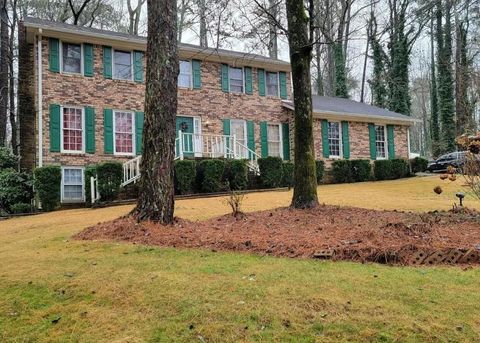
column 185, row 75
column 272, row 83
column 72, row 129
column 274, row 137
column 235, row 76
column 380, row 141
column 71, row 58
column 334, row 139
column 123, row 130
column 122, row 65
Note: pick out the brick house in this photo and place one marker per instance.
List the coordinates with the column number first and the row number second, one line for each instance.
column 81, row 94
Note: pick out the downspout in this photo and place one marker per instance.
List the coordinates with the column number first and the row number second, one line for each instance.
column 39, row 100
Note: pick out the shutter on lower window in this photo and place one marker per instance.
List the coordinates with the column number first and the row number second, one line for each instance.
column 264, row 138
column 138, row 66
column 224, row 78
column 108, row 131
column 286, row 141
column 138, row 132
column 88, row 60
column 248, row 80
column 197, row 74
column 325, row 145
column 373, row 148
column 283, row 85
column 89, row 130
column 251, row 137
column 391, row 142
column 345, row 140
column 261, row 82
column 107, row 62
column 55, row 128
column 54, row 55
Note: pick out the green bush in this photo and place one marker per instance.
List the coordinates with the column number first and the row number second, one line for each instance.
column 15, row 187
column 7, row 159
column 47, row 181
column 320, row 169
column 270, row 171
column 418, row 164
column 361, row 170
column 399, row 168
column 288, row 174
column 237, row 174
column 210, row 175
column 342, row 171
column 90, row 171
column 21, row 207
column 109, row 176
column 382, row 169
column 185, row 174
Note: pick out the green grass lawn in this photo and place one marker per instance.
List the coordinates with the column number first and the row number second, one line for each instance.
column 56, row 289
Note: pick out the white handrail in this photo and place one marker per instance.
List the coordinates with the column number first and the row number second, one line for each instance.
column 94, row 194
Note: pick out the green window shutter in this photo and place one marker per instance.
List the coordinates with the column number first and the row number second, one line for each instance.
column 264, row 138
column 89, row 130
column 283, row 84
column 224, row 78
column 138, row 132
column 345, row 140
column 54, row 55
column 286, row 141
column 373, row 148
column 325, row 145
column 251, row 136
column 391, row 142
column 55, row 128
column 248, row 80
column 88, row 60
column 138, row 66
column 108, row 130
column 261, row 82
column 107, row 62
column 197, row 74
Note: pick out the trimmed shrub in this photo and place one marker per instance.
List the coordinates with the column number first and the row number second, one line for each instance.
column 418, row 164
column 185, row 174
column 90, row 171
column 287, row 174
column 361, row 170
column 47, row 181
column 399, row 168
column 236, row 174
column 7, row 159
column 320, row 169
column 21, row 207
column 342, row 171
column 382, row 169
column 15, row 187
column 210, row 174
column 270, row 171
column 109, row 176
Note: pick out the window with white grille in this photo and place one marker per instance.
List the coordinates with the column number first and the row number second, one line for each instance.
column 274, row 137
column 72, row 129
column 334, row 139
column 124, row 138
column 72, row 184
column 380, row 141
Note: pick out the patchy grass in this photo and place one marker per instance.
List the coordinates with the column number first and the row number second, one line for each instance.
column 56, row 289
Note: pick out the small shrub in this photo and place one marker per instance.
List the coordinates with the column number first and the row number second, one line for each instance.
column 109, row 176
column 47, row 181
column 15, row 187
column 382, row 169
column 288, row 174
column 399, row 168
column 21, row 207
column 237, row 174
column 7, row 159
column 235, row 201
column 418, row 164
column 342, row 171
column 211, row 175
column 270, row 171
column 320, row 169
column 361, row 170
column 185, row 174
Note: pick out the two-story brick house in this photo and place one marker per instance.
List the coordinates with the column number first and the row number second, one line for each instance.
column 81, row 95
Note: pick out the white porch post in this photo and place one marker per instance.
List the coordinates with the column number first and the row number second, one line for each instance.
column 180, row 144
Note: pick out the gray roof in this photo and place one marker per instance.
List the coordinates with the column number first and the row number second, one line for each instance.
column 351, row 108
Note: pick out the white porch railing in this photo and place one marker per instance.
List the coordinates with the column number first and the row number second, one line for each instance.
column 94, row 194
column 131, row 171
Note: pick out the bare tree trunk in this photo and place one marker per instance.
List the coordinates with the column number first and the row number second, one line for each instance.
column 300, row 39
column 203, row 23
column 134, row 16
column 155, row 201
column 181, row 19
column 13, row 122
column 3, row 72
column 329, row 90
column 76, row 14
column 272, row 24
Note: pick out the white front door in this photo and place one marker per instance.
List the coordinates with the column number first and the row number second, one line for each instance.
column 239, row 129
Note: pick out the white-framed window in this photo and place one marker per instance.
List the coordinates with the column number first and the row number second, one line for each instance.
column 185, row 75
column 124, row 132
column 274, row 140
column 122, row 65
column 72, row 184
column 236, row 82
column 272, row 83
column 381, row 141
column 71, row 58
column 72, row 133
column 335, row 139
column 239, row 129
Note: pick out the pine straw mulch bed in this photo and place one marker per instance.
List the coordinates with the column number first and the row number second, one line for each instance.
column 327, row 232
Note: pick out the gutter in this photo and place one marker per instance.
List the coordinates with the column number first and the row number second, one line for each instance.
column 40, row 98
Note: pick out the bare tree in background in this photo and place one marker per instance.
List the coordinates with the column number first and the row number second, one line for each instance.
column 4, row 41
column 134, row 16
